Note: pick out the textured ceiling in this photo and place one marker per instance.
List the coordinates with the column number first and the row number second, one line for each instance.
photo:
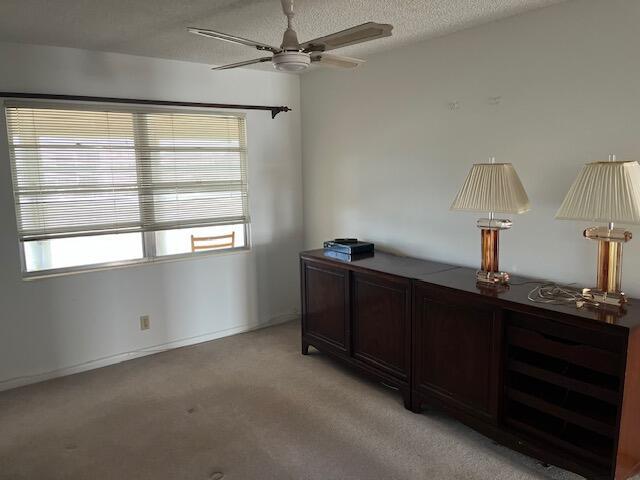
column 156, row 28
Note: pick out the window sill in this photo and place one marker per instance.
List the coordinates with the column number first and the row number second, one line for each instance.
column 62, row 272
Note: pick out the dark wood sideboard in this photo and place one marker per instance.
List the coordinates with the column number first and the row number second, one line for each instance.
column 558, row 383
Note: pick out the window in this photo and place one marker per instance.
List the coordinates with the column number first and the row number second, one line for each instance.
column 101, row 185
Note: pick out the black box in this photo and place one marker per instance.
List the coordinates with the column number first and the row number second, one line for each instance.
column 349, row 248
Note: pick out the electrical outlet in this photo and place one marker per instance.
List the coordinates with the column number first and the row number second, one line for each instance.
column 145, row 322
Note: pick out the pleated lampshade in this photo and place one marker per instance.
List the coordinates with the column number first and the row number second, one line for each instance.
column 604, row 192
column 492, row 187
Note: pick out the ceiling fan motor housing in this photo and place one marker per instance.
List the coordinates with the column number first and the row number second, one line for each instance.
column 290, row 40
column 291, row 61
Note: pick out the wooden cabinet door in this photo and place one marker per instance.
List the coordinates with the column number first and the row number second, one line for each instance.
column 456, row 350
column 325, row 304
column 381, row 325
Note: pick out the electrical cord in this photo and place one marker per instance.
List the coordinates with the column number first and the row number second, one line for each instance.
column 551, row 293
column 556, row 294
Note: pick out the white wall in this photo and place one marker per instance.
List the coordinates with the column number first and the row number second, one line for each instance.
column 384, row 155
column 65, row 324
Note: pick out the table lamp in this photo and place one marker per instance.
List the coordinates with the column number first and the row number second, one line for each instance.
column 607, row 192
column 493, row 188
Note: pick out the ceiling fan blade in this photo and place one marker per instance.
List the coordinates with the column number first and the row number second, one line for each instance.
column 242, row 64
column 336, row 60
column 362, row 33
column 225, row 37
column 287, row 7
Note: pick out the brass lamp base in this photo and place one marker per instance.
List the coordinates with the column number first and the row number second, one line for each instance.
column 489, row 273
column 609, row 278
column 492, row 278
column 605, row 298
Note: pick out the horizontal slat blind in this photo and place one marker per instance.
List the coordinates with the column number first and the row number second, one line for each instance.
column 84, row 170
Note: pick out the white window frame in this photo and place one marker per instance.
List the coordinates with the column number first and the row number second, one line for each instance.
column 149, row 256
column 148, row 245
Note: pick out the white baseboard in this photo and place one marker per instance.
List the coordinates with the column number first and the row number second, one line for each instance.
column 10, row 383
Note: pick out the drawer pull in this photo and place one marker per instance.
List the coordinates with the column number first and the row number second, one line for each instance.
column 564, row 341
column 389, row 386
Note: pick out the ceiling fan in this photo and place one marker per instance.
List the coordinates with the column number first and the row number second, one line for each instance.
column 293, row 56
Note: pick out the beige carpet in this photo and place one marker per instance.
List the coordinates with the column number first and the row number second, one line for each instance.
column 239, row 408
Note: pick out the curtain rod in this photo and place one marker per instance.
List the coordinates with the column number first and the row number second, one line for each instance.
column 166, row 103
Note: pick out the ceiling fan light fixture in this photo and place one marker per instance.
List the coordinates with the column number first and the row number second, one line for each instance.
column 291, row 61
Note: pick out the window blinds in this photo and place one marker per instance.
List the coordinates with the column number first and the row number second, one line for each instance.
column 87, row 170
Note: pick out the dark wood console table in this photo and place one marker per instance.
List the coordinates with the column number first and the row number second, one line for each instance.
column 558, row 383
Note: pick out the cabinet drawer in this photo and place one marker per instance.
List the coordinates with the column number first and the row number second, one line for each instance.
column 570, row 334
column 567, row 350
